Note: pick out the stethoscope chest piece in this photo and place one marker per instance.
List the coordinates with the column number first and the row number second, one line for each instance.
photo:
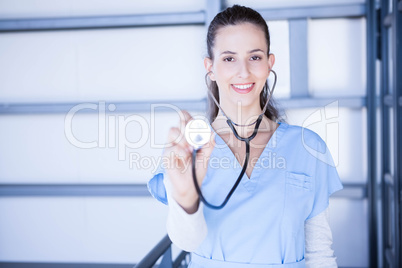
column 197, row 133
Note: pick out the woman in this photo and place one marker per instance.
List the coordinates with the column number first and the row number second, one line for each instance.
column 278, row 215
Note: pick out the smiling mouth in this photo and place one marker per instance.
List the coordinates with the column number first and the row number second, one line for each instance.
column 243, row 88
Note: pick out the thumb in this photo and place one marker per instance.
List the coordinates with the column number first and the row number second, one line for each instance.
column 209, row 146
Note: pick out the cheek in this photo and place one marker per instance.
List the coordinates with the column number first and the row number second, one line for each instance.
column 261, row 71
column 224, row 72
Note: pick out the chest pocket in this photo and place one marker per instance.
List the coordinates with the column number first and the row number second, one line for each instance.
column 301, row 181
column 299, row 200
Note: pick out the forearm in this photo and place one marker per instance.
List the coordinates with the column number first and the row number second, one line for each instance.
column 186, row 231
column 318, row 242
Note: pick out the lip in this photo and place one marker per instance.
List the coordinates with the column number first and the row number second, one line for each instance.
column 243, row 91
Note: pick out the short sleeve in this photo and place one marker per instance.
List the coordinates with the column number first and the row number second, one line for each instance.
column 326, row 179
column 156, row 186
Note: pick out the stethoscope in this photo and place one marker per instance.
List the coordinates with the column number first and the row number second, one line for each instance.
column 198, row 133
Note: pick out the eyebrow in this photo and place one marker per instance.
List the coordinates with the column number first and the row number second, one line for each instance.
column 233, row 53
column 256, row 50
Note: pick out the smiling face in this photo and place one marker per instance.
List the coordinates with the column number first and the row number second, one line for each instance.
column 240, row 64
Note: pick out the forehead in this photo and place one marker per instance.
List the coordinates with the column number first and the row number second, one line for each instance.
column 244, row 36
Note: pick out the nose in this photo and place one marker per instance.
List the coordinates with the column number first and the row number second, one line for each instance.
column 244, row 70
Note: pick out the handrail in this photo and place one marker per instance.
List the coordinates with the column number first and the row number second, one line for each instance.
column 146, row 106
column 102, row 22
column 178, row 261
column 150, row 259
column 162, row 249
column 350, row 190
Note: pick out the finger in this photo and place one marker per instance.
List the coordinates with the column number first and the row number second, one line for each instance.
column 176, row 138
column 203, row 158
column 178, row 149
column 209, row 146
column 184, row 119
column 187, row 116
column 179, row 158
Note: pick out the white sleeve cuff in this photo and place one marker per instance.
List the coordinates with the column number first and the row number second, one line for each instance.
column 186, row 231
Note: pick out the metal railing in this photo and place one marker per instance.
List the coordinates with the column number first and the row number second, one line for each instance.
column 163, row 249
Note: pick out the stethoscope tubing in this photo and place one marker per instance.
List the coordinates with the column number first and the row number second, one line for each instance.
column 197, row 187
column 246, row 140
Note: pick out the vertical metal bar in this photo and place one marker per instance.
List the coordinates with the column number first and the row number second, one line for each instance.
column 385, row 146
column 371, row 19
column 397, row 122
column 298, row 58
column 213, row 7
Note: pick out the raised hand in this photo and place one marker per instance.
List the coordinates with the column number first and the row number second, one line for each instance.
column 179, row 170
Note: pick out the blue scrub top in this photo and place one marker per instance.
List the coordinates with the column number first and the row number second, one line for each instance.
column 262, row 225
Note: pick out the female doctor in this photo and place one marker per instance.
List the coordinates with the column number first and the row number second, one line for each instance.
column 278, row 215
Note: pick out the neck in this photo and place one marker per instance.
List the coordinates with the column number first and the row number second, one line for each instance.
column 239, row 115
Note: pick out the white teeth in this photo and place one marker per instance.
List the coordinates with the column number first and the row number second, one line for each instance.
column 243, row 86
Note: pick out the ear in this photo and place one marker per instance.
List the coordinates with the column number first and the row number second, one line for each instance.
column 208, row 67
column 271, row 61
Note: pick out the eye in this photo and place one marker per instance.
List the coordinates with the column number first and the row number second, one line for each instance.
column 229, row 59
column 255, row 58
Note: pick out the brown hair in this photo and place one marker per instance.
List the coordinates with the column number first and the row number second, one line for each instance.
column 232, row 16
